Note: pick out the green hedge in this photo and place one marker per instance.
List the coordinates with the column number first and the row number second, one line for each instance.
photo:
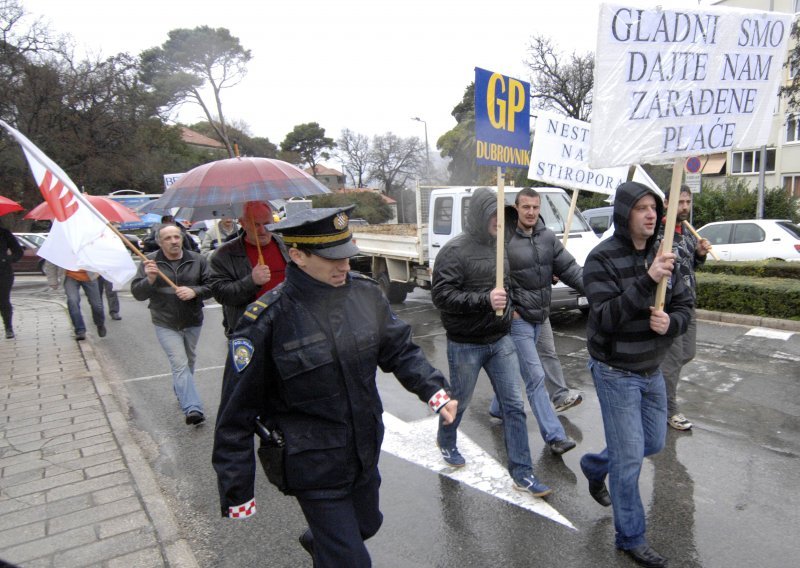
column 759, row 269
column 766, row 297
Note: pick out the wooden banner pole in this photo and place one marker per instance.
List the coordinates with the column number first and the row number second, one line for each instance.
column 501, row 222
column 698, row 237
column 138, row 253
column 669, row 225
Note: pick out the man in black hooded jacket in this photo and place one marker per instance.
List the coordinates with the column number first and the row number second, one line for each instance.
column 464, row 291
column 628, row 336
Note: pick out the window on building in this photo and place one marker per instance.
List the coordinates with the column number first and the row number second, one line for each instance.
column 791, row 184
column 749, row 162
column 793, row 128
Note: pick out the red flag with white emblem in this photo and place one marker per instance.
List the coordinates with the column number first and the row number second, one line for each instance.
column 79, row 238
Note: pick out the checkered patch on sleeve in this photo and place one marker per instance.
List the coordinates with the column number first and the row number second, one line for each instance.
column 438, row 400
column 243, row 511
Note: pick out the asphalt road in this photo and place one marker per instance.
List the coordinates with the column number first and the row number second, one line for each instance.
column 723, row 495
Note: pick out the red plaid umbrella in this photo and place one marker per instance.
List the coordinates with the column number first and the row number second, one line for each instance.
column 8, row 206
column 110, row 209
column 231, row 182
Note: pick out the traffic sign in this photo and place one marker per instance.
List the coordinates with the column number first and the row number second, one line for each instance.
column 693, row 165
column 693, row 181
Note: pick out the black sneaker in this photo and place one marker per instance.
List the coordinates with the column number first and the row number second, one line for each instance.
column 9, row 333
column 562, row 446
column 194, row 418
column 80, row 335
column 101, row 330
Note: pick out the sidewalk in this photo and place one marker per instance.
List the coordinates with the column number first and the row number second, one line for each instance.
column 74, row 488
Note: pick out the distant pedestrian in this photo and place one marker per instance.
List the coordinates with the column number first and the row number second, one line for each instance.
column 74, row 282
column 223, row 230
column 177, row 314
column 10, row 252
column 248, row 266
column 627, row 338
column 690, row 253
column 112, row 298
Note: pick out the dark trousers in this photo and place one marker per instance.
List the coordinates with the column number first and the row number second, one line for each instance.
column 107, row 288
column 339, row 527
column 6, row 282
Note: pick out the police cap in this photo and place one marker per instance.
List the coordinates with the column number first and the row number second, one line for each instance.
column 324, row 232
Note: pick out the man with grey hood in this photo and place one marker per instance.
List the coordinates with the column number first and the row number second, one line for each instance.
column 464, row 292
column 628, row 337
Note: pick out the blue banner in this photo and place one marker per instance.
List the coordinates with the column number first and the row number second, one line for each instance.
column 502, row 120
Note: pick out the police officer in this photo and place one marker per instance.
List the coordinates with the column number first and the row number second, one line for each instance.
column 302, row 362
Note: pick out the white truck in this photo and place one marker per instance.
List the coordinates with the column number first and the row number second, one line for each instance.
column 401, row 256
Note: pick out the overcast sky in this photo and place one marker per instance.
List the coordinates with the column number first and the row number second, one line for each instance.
column 366, row 65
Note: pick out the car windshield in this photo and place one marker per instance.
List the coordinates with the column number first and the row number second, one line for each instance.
column 554, row 211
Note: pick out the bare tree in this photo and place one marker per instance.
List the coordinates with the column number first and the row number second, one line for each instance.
column 559, row 82
column 354, row 151
column 395, row 160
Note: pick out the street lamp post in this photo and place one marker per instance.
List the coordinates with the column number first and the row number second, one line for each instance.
column 427, row 151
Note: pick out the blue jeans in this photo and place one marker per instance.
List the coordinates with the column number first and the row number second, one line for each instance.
column 634, row 409
column 180, row 347
column 72, row 288
column 500, row 361
column 525, row 335
column 554, row 375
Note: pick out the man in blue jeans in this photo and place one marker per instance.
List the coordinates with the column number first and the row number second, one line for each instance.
column 177, row 313
column 74, row 281
column 627, row 337
column 464, row 291
column 535, row 254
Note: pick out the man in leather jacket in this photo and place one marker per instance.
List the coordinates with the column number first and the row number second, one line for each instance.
column 239, row 274
column 177, row 314
column 302, row 361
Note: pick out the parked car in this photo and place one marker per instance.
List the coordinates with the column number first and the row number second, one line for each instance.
column 37, row 239
column 599, row 219
column 30, row 261
column 754, row 239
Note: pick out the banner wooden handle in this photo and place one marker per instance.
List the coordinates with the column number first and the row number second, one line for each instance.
column 139, row 253
column 501, row 223
column 698, row 237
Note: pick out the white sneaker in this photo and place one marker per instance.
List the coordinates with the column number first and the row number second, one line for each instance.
column 679, row 422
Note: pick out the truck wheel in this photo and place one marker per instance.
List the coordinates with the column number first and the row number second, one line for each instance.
column 394, row 292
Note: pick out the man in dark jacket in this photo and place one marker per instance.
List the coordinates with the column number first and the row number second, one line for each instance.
column 248, row 266
column 303, row 360
column 177, row 314
column 535, row 254
column 628, row 336
column 690, row 253
column 10, row 252
column 464, row 291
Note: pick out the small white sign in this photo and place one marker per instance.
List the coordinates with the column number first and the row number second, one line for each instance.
column 169, row 179
column 560, row 156
column 693, row 181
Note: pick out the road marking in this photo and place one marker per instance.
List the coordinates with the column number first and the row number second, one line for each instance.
column 770, row 333
column 162, row 375
column 415, row 442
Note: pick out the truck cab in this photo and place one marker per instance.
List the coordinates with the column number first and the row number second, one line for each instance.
column 448, row 209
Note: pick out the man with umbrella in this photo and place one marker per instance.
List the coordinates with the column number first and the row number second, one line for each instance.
column 248, row 266
column 301, row 372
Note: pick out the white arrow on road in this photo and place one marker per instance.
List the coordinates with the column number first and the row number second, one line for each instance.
column 416, row 442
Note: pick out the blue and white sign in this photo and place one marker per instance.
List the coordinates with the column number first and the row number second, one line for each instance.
column 502, row 120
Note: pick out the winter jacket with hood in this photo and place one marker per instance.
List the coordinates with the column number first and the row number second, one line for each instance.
column 620, row 293
column 534, row 259
column 464, row 275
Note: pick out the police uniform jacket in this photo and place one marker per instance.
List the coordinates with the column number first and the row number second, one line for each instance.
column 166, row 309
column 304, row 358
column 232, row 281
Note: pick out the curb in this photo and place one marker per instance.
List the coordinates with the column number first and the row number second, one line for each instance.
column 748, row 320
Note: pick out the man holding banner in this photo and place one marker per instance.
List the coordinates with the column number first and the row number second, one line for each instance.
column 627, row 339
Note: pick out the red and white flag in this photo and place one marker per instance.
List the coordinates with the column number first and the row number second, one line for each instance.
column 79, row 238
